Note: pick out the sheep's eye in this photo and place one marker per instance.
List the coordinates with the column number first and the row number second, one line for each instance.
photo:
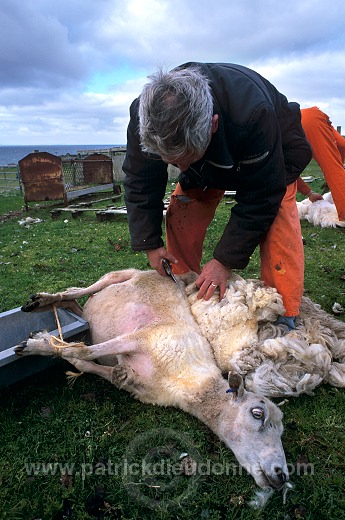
column 257, row 413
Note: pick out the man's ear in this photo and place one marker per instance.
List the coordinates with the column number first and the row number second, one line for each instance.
column 215, row 123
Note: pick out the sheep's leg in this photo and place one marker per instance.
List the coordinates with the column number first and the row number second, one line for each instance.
column 118, row 375
column 82, row 356
column 45, row 300
column 93, row 368
column 42, row 343
column 124, row 378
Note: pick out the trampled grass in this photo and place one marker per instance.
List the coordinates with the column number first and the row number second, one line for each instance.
column 66, row 450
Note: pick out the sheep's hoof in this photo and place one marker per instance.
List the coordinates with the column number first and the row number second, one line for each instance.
column 18, row 349
column 121, row 376
column 32, row 304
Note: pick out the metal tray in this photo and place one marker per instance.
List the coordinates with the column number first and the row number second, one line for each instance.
column 15, row 326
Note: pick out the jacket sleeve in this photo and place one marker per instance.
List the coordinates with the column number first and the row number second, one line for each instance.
column 144, row 185
column 261, row 188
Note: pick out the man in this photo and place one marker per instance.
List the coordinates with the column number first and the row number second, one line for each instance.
column 328, row 148
column 225, row 127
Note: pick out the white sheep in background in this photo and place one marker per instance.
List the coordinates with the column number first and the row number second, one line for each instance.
column 320, row 213
column 159, row 342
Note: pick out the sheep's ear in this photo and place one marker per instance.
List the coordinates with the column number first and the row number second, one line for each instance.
column 236, row 384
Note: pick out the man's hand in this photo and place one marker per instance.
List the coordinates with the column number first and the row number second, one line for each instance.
column 213, row 275
column 156, row 256
column 313, row 197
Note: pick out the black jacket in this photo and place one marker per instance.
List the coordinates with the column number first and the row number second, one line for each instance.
column 258, row 148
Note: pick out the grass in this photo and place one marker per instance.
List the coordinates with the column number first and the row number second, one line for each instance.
column 89, row 431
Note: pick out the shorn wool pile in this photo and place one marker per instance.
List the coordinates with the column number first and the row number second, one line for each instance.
column 274, row 361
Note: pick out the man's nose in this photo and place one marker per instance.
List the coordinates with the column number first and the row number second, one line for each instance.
column 183, row 166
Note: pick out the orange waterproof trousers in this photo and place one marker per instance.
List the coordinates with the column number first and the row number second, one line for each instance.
column 281, row 250
column 328, row 151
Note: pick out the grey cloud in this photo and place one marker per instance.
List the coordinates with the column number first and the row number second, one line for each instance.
column 226, row 31
column 35, row 49
column 51, row 50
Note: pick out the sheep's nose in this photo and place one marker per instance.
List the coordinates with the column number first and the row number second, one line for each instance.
column 281, row 474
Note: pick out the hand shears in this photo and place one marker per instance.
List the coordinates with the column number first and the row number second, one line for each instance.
column 168, row 270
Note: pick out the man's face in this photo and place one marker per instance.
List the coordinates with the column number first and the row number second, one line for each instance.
column 183, row 163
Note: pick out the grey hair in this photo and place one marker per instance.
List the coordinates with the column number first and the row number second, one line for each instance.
column 175, row 113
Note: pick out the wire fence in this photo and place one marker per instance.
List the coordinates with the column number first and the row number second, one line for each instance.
column 9, row 179
column 78, row 173
column 73, row 174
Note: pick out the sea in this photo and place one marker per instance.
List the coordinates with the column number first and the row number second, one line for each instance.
column 13, row 154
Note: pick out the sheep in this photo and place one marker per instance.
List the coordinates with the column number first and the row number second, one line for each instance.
column 320, row 213
column 146, row 340
column 165, row 346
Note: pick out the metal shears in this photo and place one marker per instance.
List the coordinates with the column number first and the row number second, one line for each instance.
column 168, row 270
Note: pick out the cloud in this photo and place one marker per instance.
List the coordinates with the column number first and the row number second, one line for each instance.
column 35, row 49
column 69, row 69
column 151, row 32
column 89, row 118
column 302, row 81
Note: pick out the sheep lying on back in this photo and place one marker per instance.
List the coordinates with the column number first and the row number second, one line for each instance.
column 244, row 338
column 240, row 329
column 145, row 340
column 320, row 213
column 166, row 347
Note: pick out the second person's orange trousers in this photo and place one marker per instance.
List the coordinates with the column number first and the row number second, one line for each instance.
column 328, row 151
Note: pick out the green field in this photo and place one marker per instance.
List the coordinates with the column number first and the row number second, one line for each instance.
column 87, row 431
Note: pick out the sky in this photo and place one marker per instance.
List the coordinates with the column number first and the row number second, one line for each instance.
column 69, row 69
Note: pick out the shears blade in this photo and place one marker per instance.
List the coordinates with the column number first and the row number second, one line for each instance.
column 168, row 270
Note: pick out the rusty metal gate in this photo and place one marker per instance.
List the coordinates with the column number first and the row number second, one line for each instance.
column 47, row 177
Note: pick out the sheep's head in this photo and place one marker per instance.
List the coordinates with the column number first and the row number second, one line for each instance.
column 253, row 430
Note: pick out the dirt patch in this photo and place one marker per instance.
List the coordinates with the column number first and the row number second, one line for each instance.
column 11, row 214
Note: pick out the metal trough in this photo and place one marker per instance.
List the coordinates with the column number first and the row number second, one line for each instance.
column 15, row 326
